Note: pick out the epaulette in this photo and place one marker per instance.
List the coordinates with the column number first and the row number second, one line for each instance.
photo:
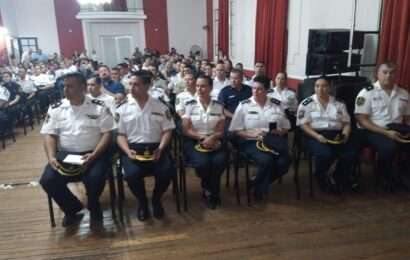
column 307, row 101
column 275, row 101
column 97, row 102
column 57, row 104
column 191, row 102
column 122, row 102
column 246, row 101
column 369, row 87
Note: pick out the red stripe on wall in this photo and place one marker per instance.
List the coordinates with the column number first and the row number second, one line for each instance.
column 70, row 33
column 210, row 29
column 156, row 25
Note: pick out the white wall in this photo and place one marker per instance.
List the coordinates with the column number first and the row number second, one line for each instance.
column 24, row 18
column 325, row 14
column 242, row 32
column 186, row 19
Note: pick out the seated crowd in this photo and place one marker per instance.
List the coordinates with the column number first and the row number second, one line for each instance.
column 135, row 108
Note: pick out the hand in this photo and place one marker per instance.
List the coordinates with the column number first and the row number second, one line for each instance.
column 208, row 143
column 88, row 158
column 157, row 154
column 321, row 139
column 131, row 154
column 54, row 163
column 393, row 135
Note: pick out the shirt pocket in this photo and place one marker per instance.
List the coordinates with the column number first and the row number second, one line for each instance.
column 91, row 123
column 379, row 108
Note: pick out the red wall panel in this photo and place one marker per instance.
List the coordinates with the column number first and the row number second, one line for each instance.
column 156, row 25
column 70, row 33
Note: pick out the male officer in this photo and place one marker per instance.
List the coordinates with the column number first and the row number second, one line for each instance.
column 377, row 106
column 187, row 95
column 81, row 126
column 144, row 132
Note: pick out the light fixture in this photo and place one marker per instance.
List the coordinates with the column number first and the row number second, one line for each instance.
column 94, row 2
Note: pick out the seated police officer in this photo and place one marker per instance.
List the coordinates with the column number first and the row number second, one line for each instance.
column 255, row 121
column 76, row 126
column 203, row 126
column 144, row 133
column 377, row 108
column 326, row 123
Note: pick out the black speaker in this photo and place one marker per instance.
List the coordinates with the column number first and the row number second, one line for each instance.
column 320, row 64
column 333, row 40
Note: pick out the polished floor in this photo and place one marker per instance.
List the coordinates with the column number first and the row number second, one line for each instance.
column 374, row 225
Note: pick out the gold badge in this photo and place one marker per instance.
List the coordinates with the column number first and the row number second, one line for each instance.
column 360, row 101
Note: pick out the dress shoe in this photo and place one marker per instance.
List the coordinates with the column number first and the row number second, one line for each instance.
column 158, row 209
column 70, row 220
column 143, row 212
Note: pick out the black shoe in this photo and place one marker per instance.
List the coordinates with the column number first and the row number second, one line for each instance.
column 96, row 215
column 258, row 197
column 70, row 220
column 158, row 209
column 211, row 202
column 143, row 212
column 323, row 184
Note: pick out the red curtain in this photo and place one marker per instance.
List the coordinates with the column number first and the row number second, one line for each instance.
column 271, row 34
column 395, row 38
column 223, row 27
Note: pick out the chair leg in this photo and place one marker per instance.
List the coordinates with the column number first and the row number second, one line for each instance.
column 51, row 211
column 121, row 196
column 236, row 181
column 175, row 189
column 113, row 196
column 311, row 176
column 228, row 173
column 248, row 190
column 296, row 175
column 184, row 188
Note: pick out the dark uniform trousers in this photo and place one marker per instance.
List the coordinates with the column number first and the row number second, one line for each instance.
column 93, row 178
column 135, row 171
column 325, row 154
column 208, row 166
column 387, row 149
column 269, row 166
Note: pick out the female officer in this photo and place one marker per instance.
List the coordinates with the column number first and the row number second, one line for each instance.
column 203, row 127
column 322, row 118
column 252, row 120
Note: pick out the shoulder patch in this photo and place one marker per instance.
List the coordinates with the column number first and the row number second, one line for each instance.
column 307, row 101
column 275, row 101
column 57, row 104
column 369, row 87
column 191, row 102
column 246, row 101
column 97, row 102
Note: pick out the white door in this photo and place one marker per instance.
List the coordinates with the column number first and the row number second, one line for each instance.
column 115, row 49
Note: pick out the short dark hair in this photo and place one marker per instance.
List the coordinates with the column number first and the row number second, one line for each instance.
column 115, row 68
column 77, row 76
column 323, row 77
column 284, row 74
column 388, row 64
column 265, row 81
column 237, row 71
column 8, row 72
column 207, row 78
column 104, row 66
column 144, row 75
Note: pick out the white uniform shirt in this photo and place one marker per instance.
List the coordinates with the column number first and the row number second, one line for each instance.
column 249, row 115
column 204, row 121
column 143, row 125
column 41, row 80
column 4, row 93
column 109, row 101
column 79, row 128
column 217, row 86
column 27, row 86
column 381, row 108
column 286, row 96
column 330, row 118
column 181, row 99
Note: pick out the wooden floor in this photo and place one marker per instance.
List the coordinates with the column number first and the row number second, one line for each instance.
column 369, row 226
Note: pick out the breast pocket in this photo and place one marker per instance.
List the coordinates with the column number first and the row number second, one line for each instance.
column 379, row 109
